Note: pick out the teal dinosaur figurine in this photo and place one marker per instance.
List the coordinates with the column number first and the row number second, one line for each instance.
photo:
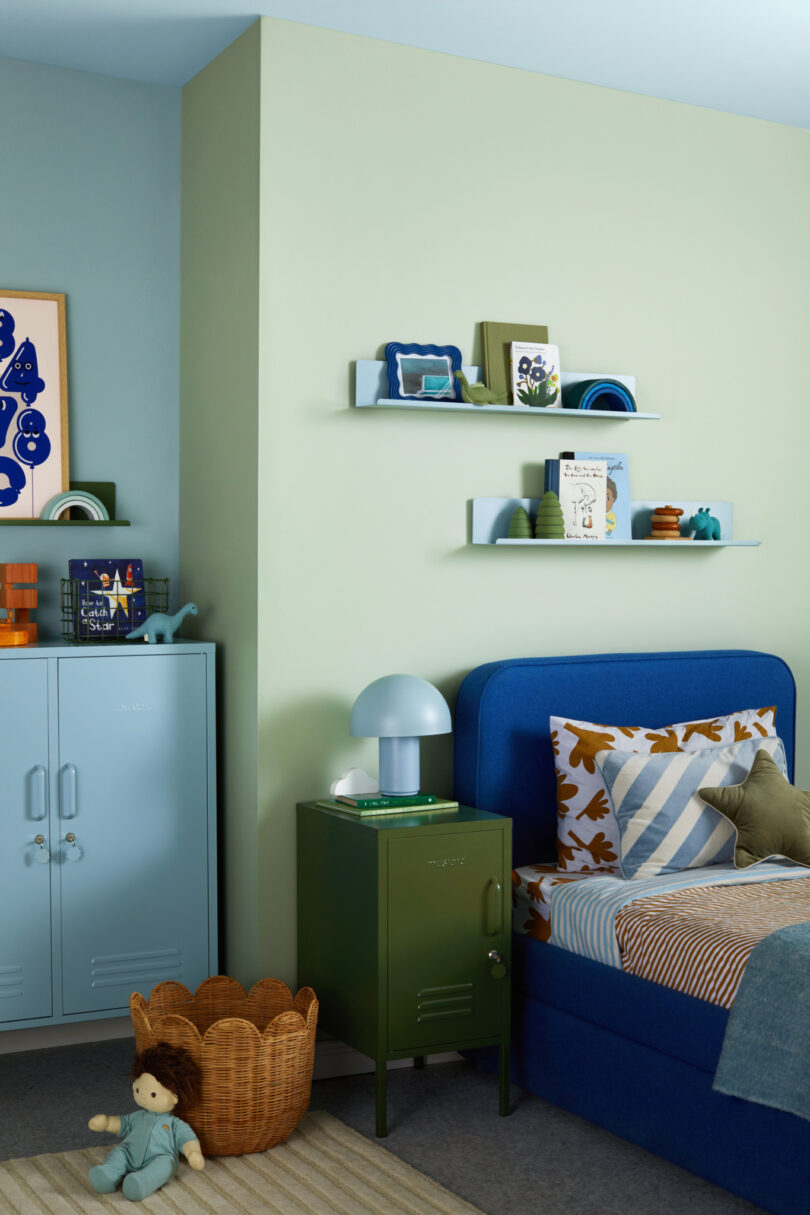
column 160, row 627
column 478, row 394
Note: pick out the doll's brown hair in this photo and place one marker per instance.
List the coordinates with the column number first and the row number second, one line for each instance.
column 174, row 1068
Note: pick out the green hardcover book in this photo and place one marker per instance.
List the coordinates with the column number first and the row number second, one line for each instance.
column 365, row 801
column 332, row 804
column 495, row 341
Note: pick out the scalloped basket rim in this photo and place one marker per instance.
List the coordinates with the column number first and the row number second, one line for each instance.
column 154, row 1022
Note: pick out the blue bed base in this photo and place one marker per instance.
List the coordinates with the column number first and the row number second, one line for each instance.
column 627, row 1054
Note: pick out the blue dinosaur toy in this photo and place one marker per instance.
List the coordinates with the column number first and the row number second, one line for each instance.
column 704, row 525
column 160, row 627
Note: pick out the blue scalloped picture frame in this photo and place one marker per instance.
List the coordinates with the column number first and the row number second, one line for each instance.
column 422, row 373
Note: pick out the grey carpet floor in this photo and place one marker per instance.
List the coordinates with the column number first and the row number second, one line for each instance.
column 443, row 1120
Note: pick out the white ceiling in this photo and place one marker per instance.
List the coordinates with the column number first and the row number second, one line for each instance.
column 744, row 56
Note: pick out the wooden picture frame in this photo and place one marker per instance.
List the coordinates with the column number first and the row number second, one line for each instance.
column 34, row 463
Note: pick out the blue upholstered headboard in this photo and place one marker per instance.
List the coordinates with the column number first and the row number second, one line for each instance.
column 503, row 760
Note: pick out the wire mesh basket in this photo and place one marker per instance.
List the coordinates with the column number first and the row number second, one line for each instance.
column 93, row 612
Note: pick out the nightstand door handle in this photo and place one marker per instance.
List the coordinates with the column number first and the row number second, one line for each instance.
column 493, row 903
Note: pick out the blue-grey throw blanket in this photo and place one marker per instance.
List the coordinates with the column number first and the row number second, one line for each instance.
column 766, row 1048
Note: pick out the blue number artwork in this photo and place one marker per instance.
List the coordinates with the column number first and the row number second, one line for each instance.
column 31, row 445
column 16, row 480
column 6, row 333
column 22, row 374
column 8, row 408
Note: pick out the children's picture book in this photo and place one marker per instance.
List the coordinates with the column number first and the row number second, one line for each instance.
column 618, row 521
column 536, row 375
column 107, row 596
column 580, row 486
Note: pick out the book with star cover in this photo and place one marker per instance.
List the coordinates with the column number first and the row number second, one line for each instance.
column 107, row 595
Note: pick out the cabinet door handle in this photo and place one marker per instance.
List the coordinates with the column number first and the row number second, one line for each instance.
column 67, row 799
column 38, row 807
column 493, row 904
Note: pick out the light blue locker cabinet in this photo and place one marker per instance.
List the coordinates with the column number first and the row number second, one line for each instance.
column 108, row 818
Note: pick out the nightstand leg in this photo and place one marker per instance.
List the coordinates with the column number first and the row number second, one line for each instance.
column 380, row 1077
column 503, row 1079
column 419, row 1060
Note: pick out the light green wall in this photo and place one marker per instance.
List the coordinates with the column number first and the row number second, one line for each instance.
column 658, row 239
column 218, row 439
column 653, row 238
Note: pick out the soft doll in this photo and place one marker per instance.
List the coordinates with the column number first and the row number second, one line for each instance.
column 164, row 1077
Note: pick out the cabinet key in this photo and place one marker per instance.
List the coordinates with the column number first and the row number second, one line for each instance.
column 42, row 854
column 74, row 852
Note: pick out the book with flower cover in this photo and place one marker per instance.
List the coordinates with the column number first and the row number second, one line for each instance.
column 536, row 375
column 107, row 596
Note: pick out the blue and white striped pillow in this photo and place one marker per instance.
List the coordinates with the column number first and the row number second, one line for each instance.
column 664, row 825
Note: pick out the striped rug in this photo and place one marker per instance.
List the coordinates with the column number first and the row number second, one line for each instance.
column 324, row 1168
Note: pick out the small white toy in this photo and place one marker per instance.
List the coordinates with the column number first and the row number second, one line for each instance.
column 355, row 781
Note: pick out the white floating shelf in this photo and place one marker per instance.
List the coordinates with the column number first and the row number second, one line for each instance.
column 371, row 385
column 625, row 543
column 491, row 518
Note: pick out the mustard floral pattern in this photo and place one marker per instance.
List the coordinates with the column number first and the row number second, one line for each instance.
column 587, row 835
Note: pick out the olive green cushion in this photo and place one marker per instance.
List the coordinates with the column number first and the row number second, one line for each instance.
column 772, row 816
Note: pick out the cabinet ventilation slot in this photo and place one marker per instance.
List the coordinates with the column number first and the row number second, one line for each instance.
column 432, row 1003
column 11, row 983
column 135, row 968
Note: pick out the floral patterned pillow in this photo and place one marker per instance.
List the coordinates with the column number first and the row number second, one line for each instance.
column 587, row 833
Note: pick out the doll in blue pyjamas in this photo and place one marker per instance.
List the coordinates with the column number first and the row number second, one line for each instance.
column 164, row 1077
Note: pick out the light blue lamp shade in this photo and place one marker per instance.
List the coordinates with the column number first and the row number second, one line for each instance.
column 399, row 709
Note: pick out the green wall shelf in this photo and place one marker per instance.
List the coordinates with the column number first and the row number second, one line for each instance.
column 103, row 490
column 64, row 523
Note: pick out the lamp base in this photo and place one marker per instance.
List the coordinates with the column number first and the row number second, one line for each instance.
column 399, row 766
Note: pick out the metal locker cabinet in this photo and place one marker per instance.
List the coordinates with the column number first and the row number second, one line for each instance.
column 404, row 932
column 132, row 793
column 445, row 913
column 108, row 752
column 25, row 874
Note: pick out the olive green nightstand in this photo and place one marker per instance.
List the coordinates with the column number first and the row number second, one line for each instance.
column 404, row 932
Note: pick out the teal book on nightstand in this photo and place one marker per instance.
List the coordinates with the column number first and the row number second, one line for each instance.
column 108, row 815
column 404, row 930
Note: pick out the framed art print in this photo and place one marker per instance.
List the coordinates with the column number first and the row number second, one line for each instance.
column 33, row 402
column 423, row 373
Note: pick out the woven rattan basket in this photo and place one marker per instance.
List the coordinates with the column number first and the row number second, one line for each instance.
column 256, row 1052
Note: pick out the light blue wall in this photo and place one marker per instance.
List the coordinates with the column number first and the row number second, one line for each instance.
column 90, row 206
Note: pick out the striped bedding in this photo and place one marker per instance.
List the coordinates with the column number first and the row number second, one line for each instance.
column 691, row 931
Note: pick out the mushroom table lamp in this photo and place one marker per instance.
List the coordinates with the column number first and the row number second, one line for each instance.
column 399, row 709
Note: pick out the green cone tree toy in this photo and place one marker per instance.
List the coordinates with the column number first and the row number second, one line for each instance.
column 549, row 523
column 520, row 527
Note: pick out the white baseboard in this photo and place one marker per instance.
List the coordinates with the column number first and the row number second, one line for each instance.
column 334, row 1059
